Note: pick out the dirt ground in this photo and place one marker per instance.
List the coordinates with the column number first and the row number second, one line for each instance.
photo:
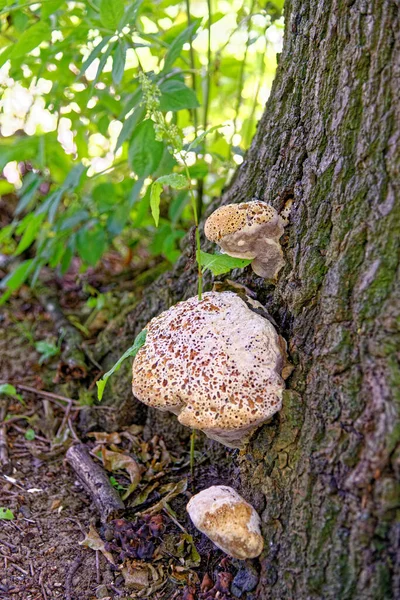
column 152, row 550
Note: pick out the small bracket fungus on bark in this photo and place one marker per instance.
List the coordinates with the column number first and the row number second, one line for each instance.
column 215, row 363
column 249, row 230
column 228, row 520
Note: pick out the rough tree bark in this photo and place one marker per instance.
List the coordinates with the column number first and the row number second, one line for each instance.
column 323, row 474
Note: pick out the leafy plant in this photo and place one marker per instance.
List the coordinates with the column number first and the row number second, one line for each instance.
column 123, row 121
column 30, row 435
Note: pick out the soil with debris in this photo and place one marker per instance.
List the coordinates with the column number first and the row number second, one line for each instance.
column 53, row 542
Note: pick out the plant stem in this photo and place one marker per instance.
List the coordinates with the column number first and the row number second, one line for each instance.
column 192, row 65
column 197, row 233
column 241, row 76
column 207, row 88
column 192, row 444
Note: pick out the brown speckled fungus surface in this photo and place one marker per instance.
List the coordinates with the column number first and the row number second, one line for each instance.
column 249, row 230
column 215, row 363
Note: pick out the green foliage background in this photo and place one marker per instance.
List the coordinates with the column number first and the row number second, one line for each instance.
column 86, row 168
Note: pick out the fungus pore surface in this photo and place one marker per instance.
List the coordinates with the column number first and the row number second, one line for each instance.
column 215, row 363
column 249, row 230
column 228, row 520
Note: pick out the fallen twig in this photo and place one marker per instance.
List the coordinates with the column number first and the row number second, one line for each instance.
column 70, row 574
column 95, row 481
column 5, row 462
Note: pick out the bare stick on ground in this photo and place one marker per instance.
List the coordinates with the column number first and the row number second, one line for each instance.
column 70, row 574
column 95, row 481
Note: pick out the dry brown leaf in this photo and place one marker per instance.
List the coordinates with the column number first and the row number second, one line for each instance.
column 102, row 437
column 136, row 575
column 113, row 461
column 94, row 541
column 172, row 490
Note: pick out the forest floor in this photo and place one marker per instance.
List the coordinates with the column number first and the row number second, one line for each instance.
column 53, row 542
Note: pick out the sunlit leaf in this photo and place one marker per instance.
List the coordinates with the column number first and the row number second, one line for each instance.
column 6, row 514
column 111, row 12
column 9, row 390
column 95, row 53
column 155, row 194
column 222, row 263
column 30, row 39
column 119, row 63
column 178, row 43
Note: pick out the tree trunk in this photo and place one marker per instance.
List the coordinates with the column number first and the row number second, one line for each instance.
column 323, row 473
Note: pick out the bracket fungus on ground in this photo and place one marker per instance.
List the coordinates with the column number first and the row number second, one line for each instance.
column 215, row 363
column 228, row 520
column 249, row 230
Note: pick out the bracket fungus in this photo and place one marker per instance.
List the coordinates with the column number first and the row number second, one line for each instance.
column 249, row 230
column 228, row 520
column 215, row 363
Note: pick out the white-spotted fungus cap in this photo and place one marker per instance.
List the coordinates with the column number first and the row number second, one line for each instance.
column 249, row 230
column 228, row 520
column 213, row 362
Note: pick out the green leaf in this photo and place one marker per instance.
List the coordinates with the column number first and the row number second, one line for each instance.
column 6, row 514
column 119, row 63
column 30, row 435
column 9, row 390
column 129, row 125
column 111, row 12
column 145, row 152
column 222, row 263
column 91, row 244
column 17, row 277
column 155, row 194
column 50, row 7
column 47, row 350
column 132, row 351
column 175, row 95
column 30, row 39
column 178, row 43
column 201, row 137
column 94, row 54
column 29, row 187
column 177, row 205
column 33, row 226
column 6, row 187
column 175, row 180
column 130, row 13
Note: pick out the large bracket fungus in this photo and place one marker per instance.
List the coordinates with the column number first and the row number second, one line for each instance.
column 228, row 520
column 215, row 363
column 249, row 230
